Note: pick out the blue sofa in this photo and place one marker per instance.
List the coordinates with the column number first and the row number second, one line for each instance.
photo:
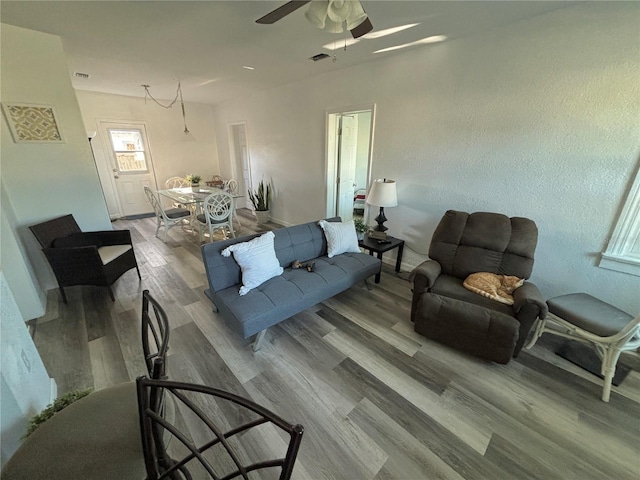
column 285, row 295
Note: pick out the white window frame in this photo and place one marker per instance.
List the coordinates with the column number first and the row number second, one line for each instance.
column 619, row 255
column 116, row 152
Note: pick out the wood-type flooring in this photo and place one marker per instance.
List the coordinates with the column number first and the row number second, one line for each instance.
column 377, row 400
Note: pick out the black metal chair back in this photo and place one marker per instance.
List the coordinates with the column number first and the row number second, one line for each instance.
column 211, row 444
column 155, row 335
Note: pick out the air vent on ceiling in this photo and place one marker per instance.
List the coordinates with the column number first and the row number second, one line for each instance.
column 320, row 56
column 82, row 75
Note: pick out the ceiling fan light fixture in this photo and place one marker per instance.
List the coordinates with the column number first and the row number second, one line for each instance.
column 333, row 27
column 357, row 16
column 317, row 13
column 339, row 10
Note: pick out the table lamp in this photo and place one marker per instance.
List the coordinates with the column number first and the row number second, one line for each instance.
column 382, row 194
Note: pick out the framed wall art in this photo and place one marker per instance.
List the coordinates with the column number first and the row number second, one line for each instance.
column 33, row 123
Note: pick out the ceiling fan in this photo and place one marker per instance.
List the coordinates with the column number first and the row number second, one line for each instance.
column 329, row 15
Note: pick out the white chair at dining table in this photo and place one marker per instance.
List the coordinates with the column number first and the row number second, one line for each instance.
column 217, row 210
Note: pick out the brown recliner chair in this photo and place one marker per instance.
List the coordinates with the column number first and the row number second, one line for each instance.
column 444, row 310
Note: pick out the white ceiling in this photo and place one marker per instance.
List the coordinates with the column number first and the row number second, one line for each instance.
column 204, row 44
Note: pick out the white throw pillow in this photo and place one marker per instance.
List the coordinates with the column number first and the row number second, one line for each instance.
column 257, row 260
column 341, row 237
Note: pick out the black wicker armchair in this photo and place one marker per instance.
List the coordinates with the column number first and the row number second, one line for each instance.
column 85, row 258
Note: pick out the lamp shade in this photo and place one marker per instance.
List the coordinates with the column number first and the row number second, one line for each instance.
column 383, row 193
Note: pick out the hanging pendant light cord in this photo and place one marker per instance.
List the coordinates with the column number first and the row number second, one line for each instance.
column 147, row 93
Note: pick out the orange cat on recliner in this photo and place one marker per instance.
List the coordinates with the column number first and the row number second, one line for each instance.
column 493, row 286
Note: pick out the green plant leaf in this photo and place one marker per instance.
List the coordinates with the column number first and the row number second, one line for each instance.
column 53, row 408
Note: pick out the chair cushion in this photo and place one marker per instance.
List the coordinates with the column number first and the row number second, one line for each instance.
column 293, row 291
column 257, row 260
column 97, row 437
column 589, row 313
column 111, row 252
column 177, row 212
column 450, row 286
column 202, row 219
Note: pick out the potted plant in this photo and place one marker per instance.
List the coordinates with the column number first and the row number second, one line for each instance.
column 261, row 200
column 53, row 408
column 194, row 180
column 361, row 227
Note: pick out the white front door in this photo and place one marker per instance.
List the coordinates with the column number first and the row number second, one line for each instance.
column 347, row 143
column 131, row 165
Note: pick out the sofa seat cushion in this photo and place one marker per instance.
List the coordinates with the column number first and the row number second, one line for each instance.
column 293, row 291
column 450, row 286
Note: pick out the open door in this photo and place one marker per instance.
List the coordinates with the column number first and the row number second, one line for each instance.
column 349, row 142
column 241, row 163
column 347, row 147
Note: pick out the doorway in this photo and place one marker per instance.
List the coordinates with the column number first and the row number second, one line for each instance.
column 240, row 161
column 127, row 168
column 349, row 147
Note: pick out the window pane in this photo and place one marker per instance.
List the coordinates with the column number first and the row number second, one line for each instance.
column 126, row 140
column 131, row 162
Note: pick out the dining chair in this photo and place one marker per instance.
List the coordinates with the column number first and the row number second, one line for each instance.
column 217, row 209
column 220, row 434
column 155, row 334
column 166, row 218
column 232, row 186
column 176, row 182
column 98, row 437
column 85, row 258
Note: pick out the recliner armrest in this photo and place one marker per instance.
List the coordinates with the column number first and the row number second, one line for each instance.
column 528, row 294
column 424, row 275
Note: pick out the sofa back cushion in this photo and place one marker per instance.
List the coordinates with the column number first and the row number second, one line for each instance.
column 466, row 243
column 300, row 242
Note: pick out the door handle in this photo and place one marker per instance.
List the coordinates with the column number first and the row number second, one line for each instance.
column 116, row 176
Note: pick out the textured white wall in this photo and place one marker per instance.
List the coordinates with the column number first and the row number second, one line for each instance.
column 174, row 154
column 28, row 295
column 26, row 388
column 537, row 119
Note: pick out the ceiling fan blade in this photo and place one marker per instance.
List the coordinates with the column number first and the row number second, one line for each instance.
column 281, row 12
column 362, row 29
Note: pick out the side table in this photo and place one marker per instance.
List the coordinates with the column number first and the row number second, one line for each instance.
column 376, row 246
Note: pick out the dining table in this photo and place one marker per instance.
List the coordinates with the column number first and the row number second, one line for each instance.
column 194, row 197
